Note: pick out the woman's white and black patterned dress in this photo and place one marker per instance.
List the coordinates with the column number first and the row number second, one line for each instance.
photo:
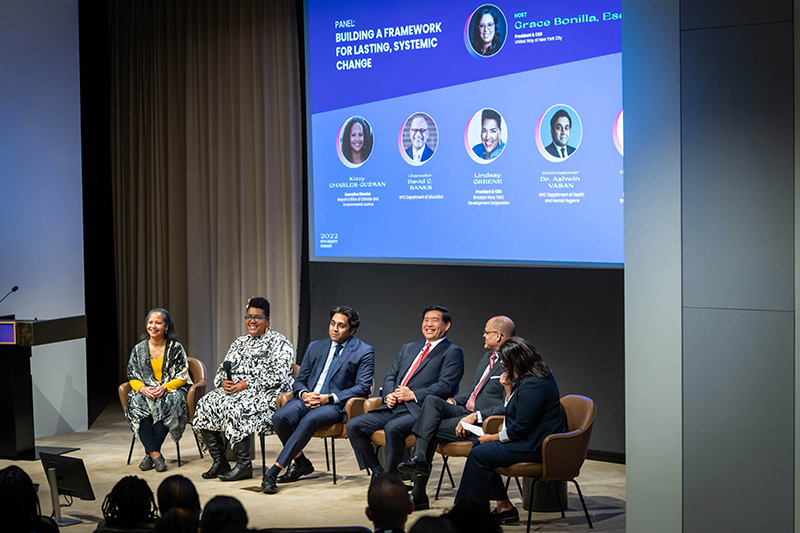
column 266, row 363
column 171, row 408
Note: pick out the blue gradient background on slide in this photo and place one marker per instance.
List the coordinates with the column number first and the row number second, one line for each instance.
column 583, row 71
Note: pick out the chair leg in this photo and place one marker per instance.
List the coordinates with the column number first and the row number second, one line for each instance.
column 558, row 494
column 441, row 478
column 263, row 454
column 585, row 511
column 130, row 453
column 508, row 482
column 519, row 485
column 197, row 441
column 449, row 474
column 530, row 503
column 333, row 456
column 327, row 461
column 178, row 451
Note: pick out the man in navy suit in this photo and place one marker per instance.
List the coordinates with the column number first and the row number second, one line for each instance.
column 442, row 420
column 419, row 151
column 432, row 367
column 332, row 372
column 560, row 126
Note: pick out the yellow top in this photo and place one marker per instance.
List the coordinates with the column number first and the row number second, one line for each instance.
column 157, row 364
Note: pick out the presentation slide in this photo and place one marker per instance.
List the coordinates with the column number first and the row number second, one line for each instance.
column 448, row 131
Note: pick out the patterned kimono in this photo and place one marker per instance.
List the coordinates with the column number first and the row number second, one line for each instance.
column 266, row 363
column 171, row 408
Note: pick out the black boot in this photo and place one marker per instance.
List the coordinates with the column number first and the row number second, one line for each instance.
column 216, row 447
column 244, row 467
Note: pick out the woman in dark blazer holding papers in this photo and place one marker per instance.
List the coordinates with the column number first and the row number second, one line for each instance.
column 533, row 411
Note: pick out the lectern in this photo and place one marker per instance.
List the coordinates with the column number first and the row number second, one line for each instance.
column 16, row 385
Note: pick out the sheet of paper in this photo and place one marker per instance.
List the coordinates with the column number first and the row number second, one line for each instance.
column 477, row 430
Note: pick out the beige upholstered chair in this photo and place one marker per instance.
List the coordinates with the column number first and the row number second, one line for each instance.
column 563, row 454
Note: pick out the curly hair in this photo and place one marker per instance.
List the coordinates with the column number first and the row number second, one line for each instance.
column 130, row 503
column 347, row 150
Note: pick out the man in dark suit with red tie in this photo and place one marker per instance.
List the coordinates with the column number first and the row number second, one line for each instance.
column 442, row 420
column 432, row 367
column 333, row 371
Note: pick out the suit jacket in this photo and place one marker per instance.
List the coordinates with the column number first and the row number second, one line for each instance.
column 551, row 149
column 439, row 374
column 533, row 412
column 491, row 398
column 426, row 153
column 352, row 372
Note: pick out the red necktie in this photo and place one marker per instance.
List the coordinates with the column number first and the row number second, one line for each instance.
column 471, row 401
column 418, row 362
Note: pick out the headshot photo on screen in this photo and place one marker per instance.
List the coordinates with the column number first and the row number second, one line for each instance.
column 418, row 139
column 355, row 141
column 486, row 31
column 558, row 133
column 486, row 136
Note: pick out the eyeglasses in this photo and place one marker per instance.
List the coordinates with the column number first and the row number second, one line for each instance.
column 421, row 131
column 489, row 26
column 487, row 332
column 248, row 318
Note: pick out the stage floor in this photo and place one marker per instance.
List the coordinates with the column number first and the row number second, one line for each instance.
column 313, row 501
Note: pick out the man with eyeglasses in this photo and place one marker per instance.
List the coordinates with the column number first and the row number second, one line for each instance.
column 333, row 371
column 256, row 369
column 419, row 151
column 443, row 420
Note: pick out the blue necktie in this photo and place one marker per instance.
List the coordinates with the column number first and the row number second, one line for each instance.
column 326, row 384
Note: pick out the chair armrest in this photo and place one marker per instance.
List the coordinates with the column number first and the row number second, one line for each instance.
column 196, row 391
column 283, row 398
column 354, row 407
column 492, row 424
column 123, row 391
column 372, row 403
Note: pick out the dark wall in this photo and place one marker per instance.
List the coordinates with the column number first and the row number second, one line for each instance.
column 102, row 360
column 573, row 316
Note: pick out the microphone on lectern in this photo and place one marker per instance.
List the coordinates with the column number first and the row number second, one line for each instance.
column 13, row 289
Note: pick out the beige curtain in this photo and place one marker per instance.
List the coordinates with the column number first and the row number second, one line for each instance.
column 207, row 166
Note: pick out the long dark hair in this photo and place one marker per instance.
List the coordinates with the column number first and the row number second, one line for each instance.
column 521, row 360
column 178, row 491
column 170, row 334
column 477, row 42
column 130, row 503
column 18, row 501
column 366, row 149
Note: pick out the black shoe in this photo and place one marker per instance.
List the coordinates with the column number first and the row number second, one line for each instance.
column 296, row 471
column 415, row 465
column 506, row 517
column 244, row 467
column 268, row 484
column 421, row 502
column 216, row 448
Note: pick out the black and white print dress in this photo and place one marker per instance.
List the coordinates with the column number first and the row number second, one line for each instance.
column 266, row 363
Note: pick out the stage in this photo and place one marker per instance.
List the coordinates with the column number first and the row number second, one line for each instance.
column 312, row 501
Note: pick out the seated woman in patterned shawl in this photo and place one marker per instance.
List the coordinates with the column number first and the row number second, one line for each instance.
column 260, row 366
column 159, row 378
